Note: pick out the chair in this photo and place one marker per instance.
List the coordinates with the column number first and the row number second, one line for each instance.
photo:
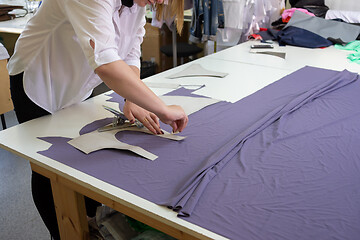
column 6, row 104
column 183, row 50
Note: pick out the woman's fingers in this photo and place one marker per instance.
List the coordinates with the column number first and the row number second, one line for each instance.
column 176, row 118
column 155, row 118
column 150, row 124
column 182, row 123
column 148, row 119
column 129, row 116
column 174, row 126
column 147, row 124
column 179, row 125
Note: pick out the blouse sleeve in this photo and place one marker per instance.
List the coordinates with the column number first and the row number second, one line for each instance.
column 92, row 21
column 133, row 58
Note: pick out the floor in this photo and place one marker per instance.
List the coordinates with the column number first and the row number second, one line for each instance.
column 19, row 218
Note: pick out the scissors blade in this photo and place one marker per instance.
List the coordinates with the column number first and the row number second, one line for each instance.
column 116, row 112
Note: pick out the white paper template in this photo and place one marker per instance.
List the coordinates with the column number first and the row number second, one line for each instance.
column 196, row 70
column 189, row 104
column 95, row 140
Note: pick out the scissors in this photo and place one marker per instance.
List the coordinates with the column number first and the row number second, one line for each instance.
column 119, row 121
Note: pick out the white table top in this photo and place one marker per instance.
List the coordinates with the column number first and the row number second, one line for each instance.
column 296, row 57
column 243, row 79
column 16, row 25
column 22, row 140
column 247, row 74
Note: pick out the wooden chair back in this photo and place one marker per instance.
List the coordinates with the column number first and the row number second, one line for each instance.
column 6, row 104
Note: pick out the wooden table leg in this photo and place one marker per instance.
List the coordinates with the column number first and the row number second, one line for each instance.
column 69, row 206
column 70, row 211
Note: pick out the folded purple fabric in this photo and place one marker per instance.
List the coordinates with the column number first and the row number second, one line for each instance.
column 189, row 197
column 282, row 163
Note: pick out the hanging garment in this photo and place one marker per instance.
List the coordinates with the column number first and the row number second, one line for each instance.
column 227, row 37
column 168, row 21
column 259, row 14
column 246, row 17
column 234, row 13
column 207, row 17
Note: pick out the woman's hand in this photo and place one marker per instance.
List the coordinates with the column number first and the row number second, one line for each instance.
column 125, row 81
column 175, row 117
column 149, row 119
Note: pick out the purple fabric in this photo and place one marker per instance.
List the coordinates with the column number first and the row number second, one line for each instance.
column 178, row 92
column 282, row 163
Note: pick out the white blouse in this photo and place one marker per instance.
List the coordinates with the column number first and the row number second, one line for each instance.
column 3, row 52
column 55, row 54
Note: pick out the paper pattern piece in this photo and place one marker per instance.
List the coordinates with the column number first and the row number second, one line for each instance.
column 170, row 85
column 189, row 104
column 95, row 140
column 89, row 142
column 276, row 54
column 196, row 70
column 162, row 85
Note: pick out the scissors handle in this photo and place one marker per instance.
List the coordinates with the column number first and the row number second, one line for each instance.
column 120, row 117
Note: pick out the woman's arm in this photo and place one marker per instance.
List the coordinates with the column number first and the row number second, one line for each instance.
column 132, row 111
column 123, row 80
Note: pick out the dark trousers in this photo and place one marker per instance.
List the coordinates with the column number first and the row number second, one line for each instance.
column 26, row 110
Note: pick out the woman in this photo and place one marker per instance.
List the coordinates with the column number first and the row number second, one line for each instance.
column 66, row 50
